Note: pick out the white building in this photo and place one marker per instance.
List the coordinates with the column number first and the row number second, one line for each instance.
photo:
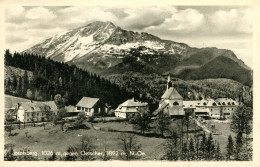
column 88, row 105
column 216, row 109
column 35, row 111
column 130, row 108
column 171, row 102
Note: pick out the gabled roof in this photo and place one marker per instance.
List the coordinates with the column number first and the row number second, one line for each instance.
column 10, row 101
column 208, row 103
column 226, row 102
column 87, row 102
column 190, row 104
column 158, row 110
column 132, row 103
column 38, row 106
column 130, row 106
column 172, row 94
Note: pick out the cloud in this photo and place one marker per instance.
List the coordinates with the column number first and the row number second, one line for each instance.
column 141, row 17
column 14, row 13
column 232, row 21
column 181, row 22
column 79, row 16
column 40, row 13
column 198, row 26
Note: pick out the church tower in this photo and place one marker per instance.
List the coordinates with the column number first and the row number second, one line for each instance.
column 169, row 82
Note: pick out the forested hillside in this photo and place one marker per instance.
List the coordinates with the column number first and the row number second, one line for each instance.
column 152, row 87
column 38, row 78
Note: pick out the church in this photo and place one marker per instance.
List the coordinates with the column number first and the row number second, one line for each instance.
column 171, row 102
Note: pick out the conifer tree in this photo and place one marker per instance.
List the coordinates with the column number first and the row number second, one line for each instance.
column 210, row 147
column 203, row 146
column 191, row 154
column 230, row 148
column 239, row 145
column 25, row 84
column 218, row 155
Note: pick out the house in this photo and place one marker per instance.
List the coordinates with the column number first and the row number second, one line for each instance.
column 190, row 105
column 11, row 104
column 217, row 109
column 227, row 106
column 209, row 106
column 89, row 105
column 34, row 111
column 202, row 112
column 130, row 108
column 171, row 102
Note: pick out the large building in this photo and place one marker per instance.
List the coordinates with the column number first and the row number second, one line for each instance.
column 227, row 106
column 171, row 102
column 130, row 108
column 34, row 111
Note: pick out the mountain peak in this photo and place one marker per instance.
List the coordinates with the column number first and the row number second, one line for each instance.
column 100, row 24
column 100, row 46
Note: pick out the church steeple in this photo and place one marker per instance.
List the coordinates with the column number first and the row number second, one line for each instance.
column 169, row 82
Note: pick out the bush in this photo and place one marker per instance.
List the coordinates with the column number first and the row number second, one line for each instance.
column 90, row 119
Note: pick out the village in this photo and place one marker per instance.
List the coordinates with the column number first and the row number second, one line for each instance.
column 171, row 103
column 201, row 117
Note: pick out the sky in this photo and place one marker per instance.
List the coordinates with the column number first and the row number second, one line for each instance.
column 224, row 27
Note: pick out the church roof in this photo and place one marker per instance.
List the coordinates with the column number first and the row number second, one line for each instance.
column 158, row 110
column 172, row 94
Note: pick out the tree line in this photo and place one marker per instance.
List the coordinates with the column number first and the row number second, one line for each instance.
column 50, row 78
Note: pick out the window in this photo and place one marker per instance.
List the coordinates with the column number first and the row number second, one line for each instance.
column 204, row 103
column 175, row 103
column 78, row 108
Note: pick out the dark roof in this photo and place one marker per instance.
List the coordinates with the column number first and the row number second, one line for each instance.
column 172, row 94
column 158, row 110
column 111, row 112
column 87, row 102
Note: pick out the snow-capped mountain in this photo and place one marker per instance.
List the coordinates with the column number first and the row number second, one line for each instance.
column 103, row 38
column 103, row 48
